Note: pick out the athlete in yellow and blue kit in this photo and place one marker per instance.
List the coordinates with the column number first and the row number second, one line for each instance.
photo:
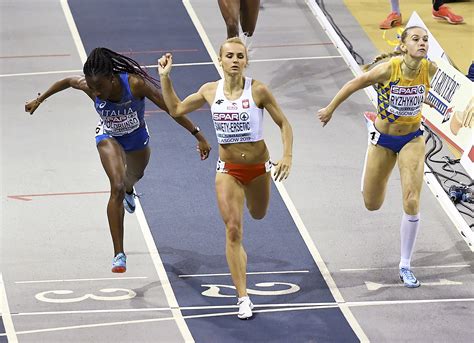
column 402, row 84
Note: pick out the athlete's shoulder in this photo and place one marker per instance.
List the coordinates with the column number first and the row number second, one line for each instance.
column 259, row 86
column 209, row 87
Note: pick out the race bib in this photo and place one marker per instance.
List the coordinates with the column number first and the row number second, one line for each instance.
column 406, row 101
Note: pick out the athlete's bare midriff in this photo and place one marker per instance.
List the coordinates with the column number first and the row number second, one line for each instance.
column 244, row 153
column 395, row 129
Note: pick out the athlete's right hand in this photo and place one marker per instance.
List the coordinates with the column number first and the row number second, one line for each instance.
column 164, row 64
column 324, row 115
column 32, row 105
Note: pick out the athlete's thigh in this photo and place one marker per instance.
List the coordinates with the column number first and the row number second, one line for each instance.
column 112, row 157
column 137, row 160
column 230, row 9
column 230, row 197
column 249, row 14
column 257, row 192
column 411, row 165
column 379, row 165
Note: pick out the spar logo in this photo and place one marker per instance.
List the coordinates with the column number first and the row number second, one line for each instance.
column 225, row 117
column 414, row 90
column 244, row 116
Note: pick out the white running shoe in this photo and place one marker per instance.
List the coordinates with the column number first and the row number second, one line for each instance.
column 245, row 308
column 129, row 202
column 247, row 40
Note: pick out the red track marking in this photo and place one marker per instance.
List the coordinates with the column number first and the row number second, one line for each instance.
column 26, row 197
column 32, row 56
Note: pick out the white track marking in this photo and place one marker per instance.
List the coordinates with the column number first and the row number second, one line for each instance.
column 295, row 307
column 154, row 255
column 374, row 286
column 419, row 267
column 248, row 273
column 78, row 280
column 5, row 313
column 74, row 32
column 289, row 204
column 160, row 269
column 217, row 307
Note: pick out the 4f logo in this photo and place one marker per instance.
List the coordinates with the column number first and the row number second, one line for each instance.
column 220, row 101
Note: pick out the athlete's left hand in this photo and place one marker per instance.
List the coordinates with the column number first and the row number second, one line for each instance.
column 282, row 168
column 203, row 148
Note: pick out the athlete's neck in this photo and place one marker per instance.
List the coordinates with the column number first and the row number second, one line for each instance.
column 116, row 94
column 412, row 67
column 233, row 85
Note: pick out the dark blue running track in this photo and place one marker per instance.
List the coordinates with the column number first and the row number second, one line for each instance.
column 179, row 200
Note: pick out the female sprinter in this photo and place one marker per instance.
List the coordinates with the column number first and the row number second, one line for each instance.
column 402, row 84
column 243, row 168
column 118, row 87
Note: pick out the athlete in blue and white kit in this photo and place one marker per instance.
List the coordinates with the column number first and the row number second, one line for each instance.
column 118, row 86
column 243, row 169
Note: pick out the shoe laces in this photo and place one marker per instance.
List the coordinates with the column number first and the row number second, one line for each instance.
column 408, row 274
column 120, row 257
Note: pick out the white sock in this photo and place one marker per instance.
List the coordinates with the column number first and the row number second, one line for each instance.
column 408, row 232
column 243, row 298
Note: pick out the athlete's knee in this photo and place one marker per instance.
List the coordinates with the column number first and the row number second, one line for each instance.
column 117, row 190
column 411, row 203
column 372, row 205
column 234, row 233
column 257, row 213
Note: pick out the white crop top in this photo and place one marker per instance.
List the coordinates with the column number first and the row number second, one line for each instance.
column 237, row 121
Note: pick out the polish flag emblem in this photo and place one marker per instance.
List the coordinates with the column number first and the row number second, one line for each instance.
column 245, row 103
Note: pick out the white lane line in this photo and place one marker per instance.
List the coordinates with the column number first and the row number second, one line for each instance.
column 154, row 255
column 191, row 64
column 157, row 309
column 160, row 269
column 5, row 313
column 78, row 280
column 248, row 273
column 373, row 286
column 289, row 204
column 419, row 267
column 406, row 302
column 74, row 32
column 296, row 307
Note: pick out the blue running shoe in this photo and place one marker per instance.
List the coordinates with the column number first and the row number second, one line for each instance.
column 129, row 202
column 407, row 277
column 119, row 263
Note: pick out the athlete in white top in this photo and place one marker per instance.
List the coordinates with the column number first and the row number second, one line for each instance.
column 237, row 105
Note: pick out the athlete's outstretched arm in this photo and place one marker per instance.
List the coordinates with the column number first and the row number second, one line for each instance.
column 175, row 106
column 142, row 88
column 77, row 82
column 379, row 74
column 264, row 98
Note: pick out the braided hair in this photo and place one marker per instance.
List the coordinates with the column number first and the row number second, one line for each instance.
column 104, row 62
column 396, row 52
